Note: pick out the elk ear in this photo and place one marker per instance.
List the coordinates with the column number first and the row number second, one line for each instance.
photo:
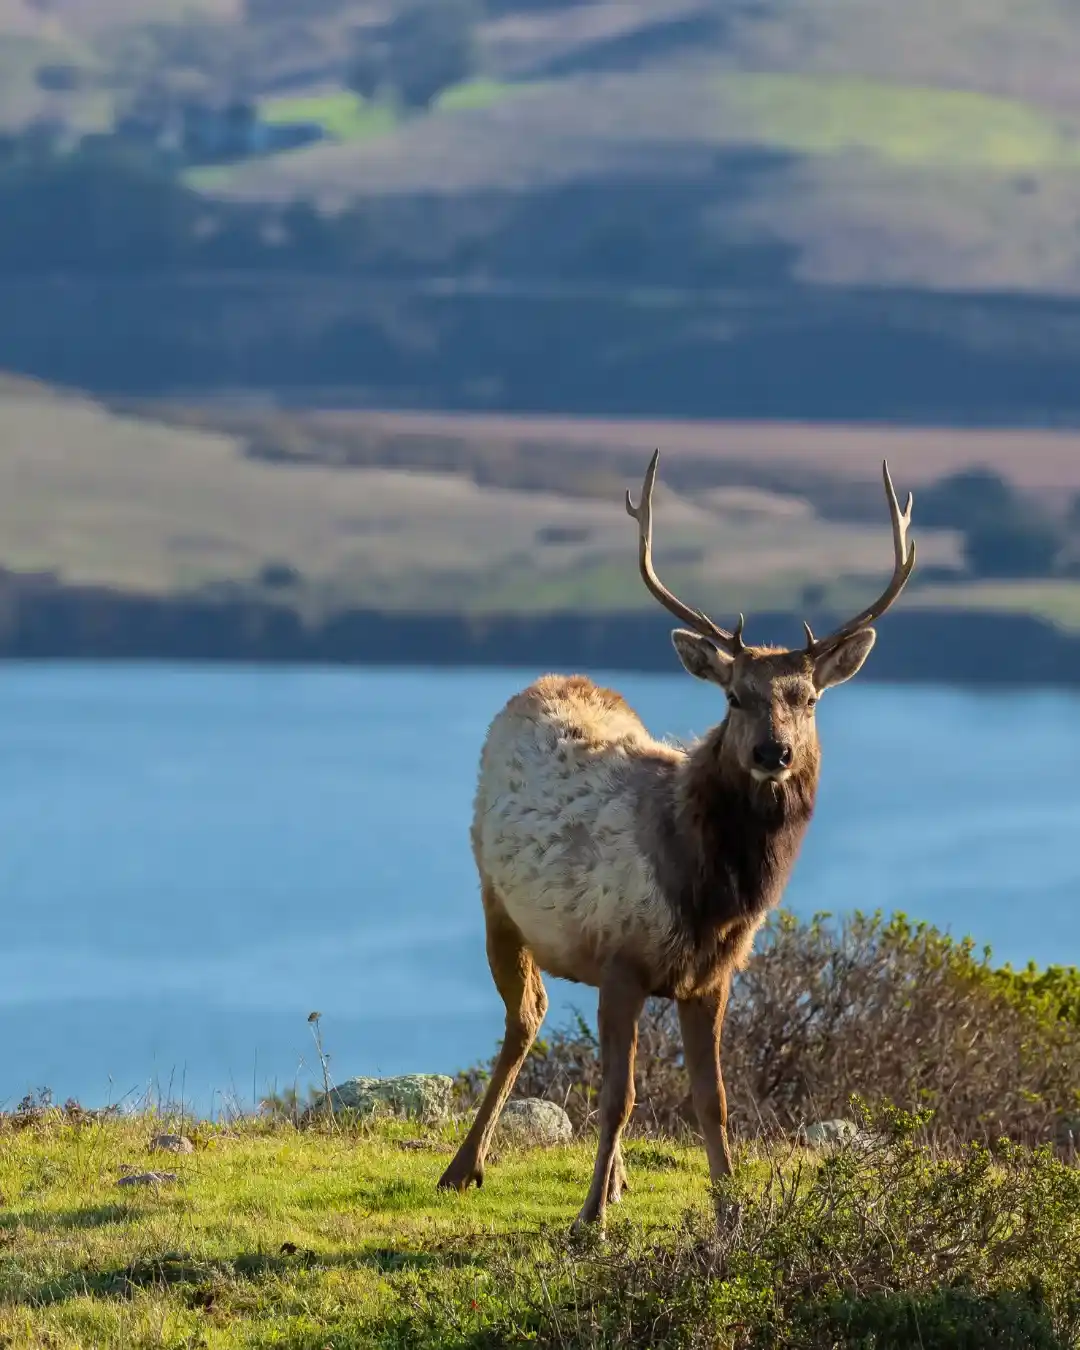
column 845, row 660
column 702, row 658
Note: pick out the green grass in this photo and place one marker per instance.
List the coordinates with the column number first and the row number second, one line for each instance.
column 273, row 1236
column 347, row 117
column 899, row 123
column 1058, row 602
column 209, row 177
column 606, row 585
column 474, row 94
column 342, row 115
column 594, row 585
column 336, row 1237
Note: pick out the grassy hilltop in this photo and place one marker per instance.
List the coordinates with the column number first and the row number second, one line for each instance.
column 955, row 1223
column 337, row 1238
column 269, row 1231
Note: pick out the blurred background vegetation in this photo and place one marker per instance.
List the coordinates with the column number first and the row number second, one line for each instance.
column 232, row 231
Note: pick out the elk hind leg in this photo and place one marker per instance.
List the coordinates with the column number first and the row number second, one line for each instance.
column 517, row 978
column 618, row 1185
column 621, row 1002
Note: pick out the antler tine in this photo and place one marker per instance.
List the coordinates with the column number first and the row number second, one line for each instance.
column 732, row 643
column 903, row 565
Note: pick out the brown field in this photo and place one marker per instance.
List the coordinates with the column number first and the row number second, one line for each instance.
column 1041, row 461
column 144, row 501
column 134, row 502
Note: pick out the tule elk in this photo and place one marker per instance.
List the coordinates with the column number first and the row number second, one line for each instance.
column 618, row 861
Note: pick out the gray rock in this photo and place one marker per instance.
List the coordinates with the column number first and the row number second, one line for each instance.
column 418, row 1096
column 171, row 1143
column 148, row 1179
column 829, row 1133
column 534, row 1121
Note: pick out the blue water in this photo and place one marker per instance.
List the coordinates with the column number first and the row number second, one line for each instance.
column 192, row 861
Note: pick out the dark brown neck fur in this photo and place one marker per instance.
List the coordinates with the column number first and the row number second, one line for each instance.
column 725, row 851
column 743, row 836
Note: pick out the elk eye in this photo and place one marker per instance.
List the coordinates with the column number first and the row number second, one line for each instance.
column 811, row 702
column 733, row 700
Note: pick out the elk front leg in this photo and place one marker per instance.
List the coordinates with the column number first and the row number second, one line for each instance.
column 517, row 979
column 621, row 1001
column 702, row 1020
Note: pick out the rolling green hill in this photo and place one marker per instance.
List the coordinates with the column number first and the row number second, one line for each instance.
column 926, row 146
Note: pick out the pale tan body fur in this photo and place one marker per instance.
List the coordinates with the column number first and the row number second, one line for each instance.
column 555, row 826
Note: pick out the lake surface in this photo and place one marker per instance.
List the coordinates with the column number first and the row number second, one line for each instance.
column 193, row 860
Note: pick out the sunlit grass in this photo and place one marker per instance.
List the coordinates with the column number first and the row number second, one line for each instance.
column 606, row 585
column 208, row 177
column 270, row 1233
column 337, row 1237
column 905, row 124
column 476, row 94
column 1058, row 602
column 347, row 117
column 342, row 114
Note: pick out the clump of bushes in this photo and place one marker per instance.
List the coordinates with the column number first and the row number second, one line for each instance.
column 427, row 46
column 885, row 1008
column 879, row 1246
column 1005, row 534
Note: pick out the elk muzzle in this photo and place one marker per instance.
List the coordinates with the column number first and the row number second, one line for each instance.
column 772, row 759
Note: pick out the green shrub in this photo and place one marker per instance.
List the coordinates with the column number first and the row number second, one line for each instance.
column 1053, row 992
column 886, row 1244
column 885, row 1008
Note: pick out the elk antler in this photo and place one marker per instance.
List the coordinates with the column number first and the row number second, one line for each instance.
column 902, row 568
column 732, row 643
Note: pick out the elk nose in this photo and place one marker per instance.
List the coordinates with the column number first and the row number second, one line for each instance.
column 772, row 755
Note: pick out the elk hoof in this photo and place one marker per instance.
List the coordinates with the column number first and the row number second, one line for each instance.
column 586, row 1228
column 459, row 1176
column 617, row 1188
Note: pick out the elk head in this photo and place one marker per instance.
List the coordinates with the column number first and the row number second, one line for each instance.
column 772, row 691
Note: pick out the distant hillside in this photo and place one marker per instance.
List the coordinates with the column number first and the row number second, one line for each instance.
column 707, row 208
column 870, row 173
column 317, row 514
column 923, row 145
column 139, row 505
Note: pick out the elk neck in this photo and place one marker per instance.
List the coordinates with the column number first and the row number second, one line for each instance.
column 739, row 839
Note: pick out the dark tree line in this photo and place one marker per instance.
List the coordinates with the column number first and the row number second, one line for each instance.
column 427, row 47
column 1005, row 534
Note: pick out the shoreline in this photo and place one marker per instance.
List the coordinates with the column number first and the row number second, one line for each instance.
column 44, row 620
